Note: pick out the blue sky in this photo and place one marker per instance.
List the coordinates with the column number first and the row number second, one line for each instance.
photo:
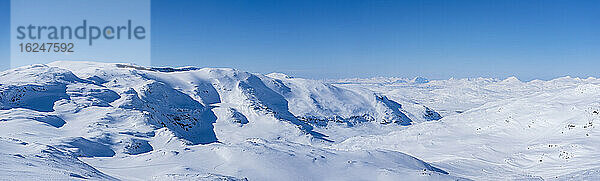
column 335, row 39
column 4, row 34
column 96, row 13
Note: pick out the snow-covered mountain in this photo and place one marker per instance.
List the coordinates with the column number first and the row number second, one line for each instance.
column 100, row 121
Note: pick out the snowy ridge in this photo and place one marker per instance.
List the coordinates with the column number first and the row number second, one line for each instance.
column 100, row 121
column 114, row 121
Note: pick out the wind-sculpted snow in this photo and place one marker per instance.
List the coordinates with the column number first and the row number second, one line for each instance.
column 321, row 100
column 91, row 94
column 102, row 121
column 137, row 146
column 265, row 100
column 34, row 87
column 21, row 160
column 341, row 113
column 24, row 114
column 259, row 159
column 395, row 112
column 550, row 134
column 237, row 117
column 34, row 97
column 177, row 111
column 87, row 148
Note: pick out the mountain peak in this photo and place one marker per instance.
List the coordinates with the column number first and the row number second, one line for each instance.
column 277, row 75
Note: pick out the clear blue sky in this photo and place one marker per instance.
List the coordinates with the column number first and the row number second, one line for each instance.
column 332, row 39
column 4, row 34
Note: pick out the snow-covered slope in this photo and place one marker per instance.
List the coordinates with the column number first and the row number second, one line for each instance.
column 99, row 121
column 120, row 121
column 505, row 129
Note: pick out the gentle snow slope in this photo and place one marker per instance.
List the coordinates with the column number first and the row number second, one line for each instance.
column 509, row 129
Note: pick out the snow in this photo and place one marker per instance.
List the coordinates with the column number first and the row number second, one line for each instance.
column 107, row 121
column 102, row 121
column 517, row 130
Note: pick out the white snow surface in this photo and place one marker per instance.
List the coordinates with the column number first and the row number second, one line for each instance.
column 101, row 121
column 498, row 129
column 108, row 121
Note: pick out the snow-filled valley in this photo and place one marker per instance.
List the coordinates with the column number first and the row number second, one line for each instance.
column 110, row 121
